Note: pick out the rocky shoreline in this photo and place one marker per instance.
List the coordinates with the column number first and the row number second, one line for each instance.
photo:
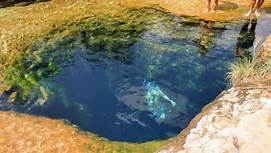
column 232, row 112
column 237, row 121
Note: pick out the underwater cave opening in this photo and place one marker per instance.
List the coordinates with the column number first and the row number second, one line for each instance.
column 130, row 79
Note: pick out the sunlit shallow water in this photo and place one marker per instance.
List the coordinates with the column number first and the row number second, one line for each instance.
column 147, row 88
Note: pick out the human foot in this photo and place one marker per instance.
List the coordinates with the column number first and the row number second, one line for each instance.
column 173, row 103
column 257, row 13
column 248, row 14
column 206, row 11
column 212, row 11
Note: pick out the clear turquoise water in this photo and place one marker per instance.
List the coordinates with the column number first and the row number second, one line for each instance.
column 147, row 90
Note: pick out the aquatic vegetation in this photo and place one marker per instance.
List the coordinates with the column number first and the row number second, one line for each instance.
column 124, row 147
column 101, row 61
column 160, row 63
column 45, row 60
column 111, row 41
column 24, row 76
column 111, row 35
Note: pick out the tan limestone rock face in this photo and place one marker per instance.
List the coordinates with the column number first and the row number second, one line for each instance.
column 237, row 121
column 240, row 124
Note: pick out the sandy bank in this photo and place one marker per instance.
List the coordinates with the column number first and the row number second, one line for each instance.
column 228, row 10
column 21, row 133
column 22, row 25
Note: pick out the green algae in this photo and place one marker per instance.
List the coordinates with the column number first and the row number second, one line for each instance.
column 113, row 35
column 124, row 147
column 25, row 74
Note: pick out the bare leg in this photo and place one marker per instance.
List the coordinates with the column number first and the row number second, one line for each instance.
column 259, row 4
column 215, row 6
column 208, row 6
column 251, row 6
column 257, row 13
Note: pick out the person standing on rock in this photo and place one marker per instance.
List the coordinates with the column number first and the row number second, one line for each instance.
column 254, row 9
column 212, row 5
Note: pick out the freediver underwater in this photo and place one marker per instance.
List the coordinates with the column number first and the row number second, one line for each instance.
column 154, row 96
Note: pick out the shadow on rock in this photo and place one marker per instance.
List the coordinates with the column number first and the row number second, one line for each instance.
column 11, row 3
column 227, row 6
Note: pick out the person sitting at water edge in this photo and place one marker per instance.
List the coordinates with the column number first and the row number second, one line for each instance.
column 212, row 5
column 253, row 9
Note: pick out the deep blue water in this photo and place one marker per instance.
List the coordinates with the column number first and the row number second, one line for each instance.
column 131, row 97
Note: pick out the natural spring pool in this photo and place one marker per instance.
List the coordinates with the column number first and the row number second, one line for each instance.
column 136, row 78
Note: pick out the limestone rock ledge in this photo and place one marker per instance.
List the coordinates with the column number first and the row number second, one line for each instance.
column 237, row 121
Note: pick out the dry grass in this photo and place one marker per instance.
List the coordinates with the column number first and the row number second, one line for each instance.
column 21, row 26
column 241, row 70
column 244, row 72
column 253, row 72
